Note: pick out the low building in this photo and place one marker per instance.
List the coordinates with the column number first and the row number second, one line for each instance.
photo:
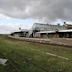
column 55, row 34
column 22, row 33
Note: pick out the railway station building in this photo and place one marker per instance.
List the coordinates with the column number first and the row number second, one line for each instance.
column 40, row 30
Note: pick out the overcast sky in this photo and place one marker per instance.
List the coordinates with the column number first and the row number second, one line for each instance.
column 32, row 10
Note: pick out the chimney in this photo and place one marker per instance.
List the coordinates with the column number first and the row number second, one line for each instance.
column 19, row 28
column 64, row 23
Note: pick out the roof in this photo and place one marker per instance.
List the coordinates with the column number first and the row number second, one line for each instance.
column 24, row 30
column 46, row 32
column 68, row 30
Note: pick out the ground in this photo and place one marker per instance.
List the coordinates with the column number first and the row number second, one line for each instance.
column 34, row 57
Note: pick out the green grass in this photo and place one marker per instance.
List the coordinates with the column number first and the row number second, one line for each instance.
column 31, row 57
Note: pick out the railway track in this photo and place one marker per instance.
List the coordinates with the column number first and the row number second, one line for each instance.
column 55, row 41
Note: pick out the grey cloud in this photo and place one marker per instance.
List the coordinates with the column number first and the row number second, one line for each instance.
column 48, row 9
